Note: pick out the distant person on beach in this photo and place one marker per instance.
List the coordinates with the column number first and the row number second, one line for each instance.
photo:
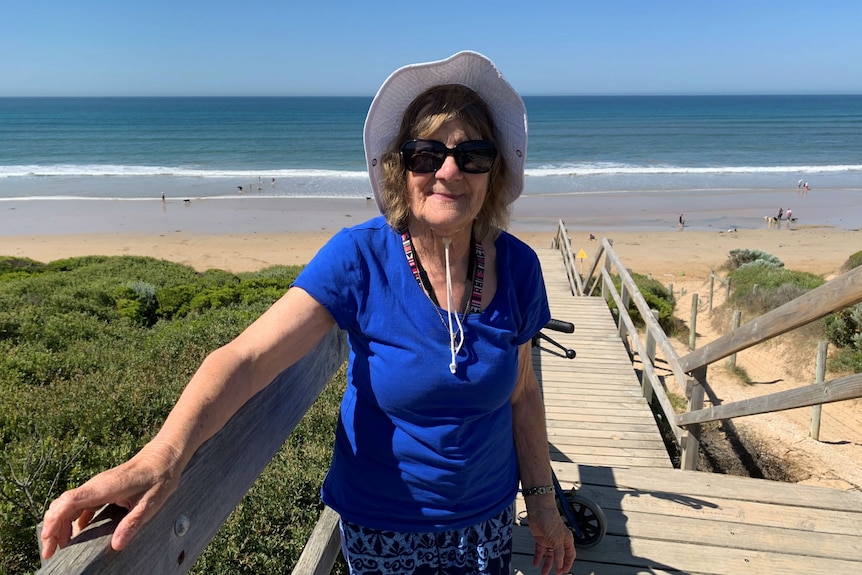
column 799, row 184
column 681, row 221
column 780, row 213
column 442, row 416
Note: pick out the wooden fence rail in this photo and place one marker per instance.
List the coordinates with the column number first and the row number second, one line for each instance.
column 216, row 479
column 848, row 387
column 837, row 294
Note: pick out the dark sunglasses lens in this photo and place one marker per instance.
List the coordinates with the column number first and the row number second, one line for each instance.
column 427, row 156
column 475, row 156
column 423, row 156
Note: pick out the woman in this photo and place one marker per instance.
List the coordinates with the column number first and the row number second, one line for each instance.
column 442, row 415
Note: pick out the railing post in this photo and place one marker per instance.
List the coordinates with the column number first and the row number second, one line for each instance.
column 625, row 298
column 711, row 286
column 607, row 265
column 693, row 333
column 322, row 549
column 737, row 315
column 819, row 377
column 690, row 443
column 646, row 384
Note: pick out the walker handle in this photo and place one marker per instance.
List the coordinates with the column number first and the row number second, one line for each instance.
column 561, row 326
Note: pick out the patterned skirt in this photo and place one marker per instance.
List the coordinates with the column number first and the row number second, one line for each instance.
column 483, row 549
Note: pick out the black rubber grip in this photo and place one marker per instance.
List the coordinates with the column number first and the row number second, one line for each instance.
column 563, row 326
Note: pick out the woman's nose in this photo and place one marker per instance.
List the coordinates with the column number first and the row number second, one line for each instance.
column 449, row 169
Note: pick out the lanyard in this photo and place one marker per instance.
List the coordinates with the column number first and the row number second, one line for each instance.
column 476, row 269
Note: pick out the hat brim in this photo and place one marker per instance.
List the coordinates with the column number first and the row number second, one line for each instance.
column 469, row 69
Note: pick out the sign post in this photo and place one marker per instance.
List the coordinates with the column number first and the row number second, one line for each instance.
column 582, row 255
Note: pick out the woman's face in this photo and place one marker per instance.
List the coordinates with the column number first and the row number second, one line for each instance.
column 447, row 200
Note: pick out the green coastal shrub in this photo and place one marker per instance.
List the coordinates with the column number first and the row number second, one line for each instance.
column 12, row 267
column 656, row 296
column 216, row 291
column 137, row 302
column 854, row 261
column 745, row 257
column 762, row 283
column 176, row 301
column 93, row 354
column 844, row 328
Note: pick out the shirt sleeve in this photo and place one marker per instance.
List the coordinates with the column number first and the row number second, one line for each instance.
column 331, row 278
column 530, row 288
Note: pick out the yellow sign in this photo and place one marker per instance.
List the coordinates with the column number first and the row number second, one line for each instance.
column 582, row 255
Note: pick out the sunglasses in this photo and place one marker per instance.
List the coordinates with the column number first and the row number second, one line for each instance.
column 427, row 156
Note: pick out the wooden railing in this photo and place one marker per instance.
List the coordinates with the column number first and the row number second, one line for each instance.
column 837, row 294
column 216, row 479
column 564, row 242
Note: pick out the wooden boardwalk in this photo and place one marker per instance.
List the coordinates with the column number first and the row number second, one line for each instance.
column 603, row 438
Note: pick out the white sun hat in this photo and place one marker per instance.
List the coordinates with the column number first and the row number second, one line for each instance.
column 469, row 69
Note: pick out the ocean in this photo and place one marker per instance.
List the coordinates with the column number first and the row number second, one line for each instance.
column 135, row 148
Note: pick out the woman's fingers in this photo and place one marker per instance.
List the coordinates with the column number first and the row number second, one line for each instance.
column 555, row 546
column 139, row 513
column 558, row 559
column 139, row 486
column 73, row 506
column 83, row 520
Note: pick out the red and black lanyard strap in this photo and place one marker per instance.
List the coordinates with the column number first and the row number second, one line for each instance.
column 476, row 270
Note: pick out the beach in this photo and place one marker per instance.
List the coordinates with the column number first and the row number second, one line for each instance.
column 246, row 234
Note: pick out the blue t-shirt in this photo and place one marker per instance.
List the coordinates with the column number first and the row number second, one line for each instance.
column 418, row 448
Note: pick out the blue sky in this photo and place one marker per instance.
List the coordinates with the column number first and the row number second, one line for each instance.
column 313, row 47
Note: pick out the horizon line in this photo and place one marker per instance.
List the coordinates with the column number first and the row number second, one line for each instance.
column 525, row 95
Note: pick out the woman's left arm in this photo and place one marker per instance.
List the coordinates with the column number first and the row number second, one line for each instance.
column 555, row 547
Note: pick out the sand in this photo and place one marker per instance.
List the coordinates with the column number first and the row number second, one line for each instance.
column 245, row 234
column 666, row 255
column 663, row 254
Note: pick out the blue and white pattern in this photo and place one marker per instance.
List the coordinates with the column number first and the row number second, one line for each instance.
column 483, row 549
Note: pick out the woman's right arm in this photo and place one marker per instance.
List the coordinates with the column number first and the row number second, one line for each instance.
column 226, row 379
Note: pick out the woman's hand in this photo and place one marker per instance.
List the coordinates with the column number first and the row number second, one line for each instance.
column 555, row 546
column 141, row 485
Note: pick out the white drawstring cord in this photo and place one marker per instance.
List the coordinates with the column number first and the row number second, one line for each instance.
column 453, row 367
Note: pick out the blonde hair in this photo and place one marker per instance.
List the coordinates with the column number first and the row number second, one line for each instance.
column 424, row 116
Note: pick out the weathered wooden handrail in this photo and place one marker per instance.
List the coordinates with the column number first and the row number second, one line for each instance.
column 216, row 479
column 848, row 387
column 651, row 323
column 655, row 389
column 839, row 293
column 565, row 244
